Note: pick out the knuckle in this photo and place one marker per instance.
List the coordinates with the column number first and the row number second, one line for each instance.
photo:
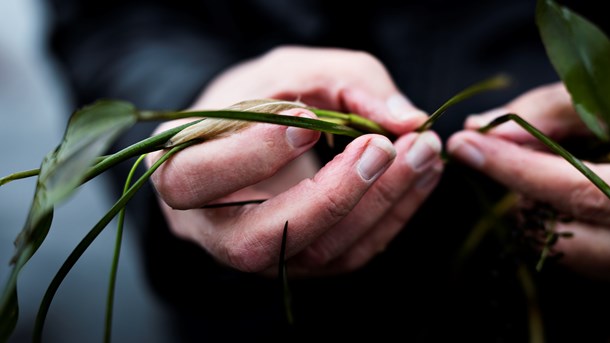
column 334, row 207
column 366, row 58
column 355, row 259
column 385, row 195
column 316, row 256
column 246, row 254
column 589, row 202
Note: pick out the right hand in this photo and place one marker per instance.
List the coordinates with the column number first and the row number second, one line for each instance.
column 339, row 216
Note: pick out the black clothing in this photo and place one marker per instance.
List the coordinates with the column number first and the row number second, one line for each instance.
column 160, row 55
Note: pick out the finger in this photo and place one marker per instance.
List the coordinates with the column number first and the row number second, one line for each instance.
column 377, row 239
column 587, row 250
column 218, row 167
column 328, row 78
column 252, row 241
column 417, row 157
column 358, row 83
column 541, row 176
column 390, row 109
column 548, row 108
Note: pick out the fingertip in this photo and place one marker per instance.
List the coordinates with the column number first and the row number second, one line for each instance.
column 300, row 137
column 422, row 153
column 375, row 158
column 462, row 146
column 402, row 111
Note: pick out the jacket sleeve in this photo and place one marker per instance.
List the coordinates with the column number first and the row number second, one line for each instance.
column 148, row 53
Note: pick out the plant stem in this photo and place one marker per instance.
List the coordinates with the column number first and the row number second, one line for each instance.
column 90, row 237
column 142, row 147
column 353, row 120
column 234, row 203
column 117, row 252
column 499, row 81
column 536, row 327
column 271, row 118
column 578, row 164
column 19, row 175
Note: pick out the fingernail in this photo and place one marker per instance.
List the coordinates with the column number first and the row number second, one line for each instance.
column 423, row 151
column 401, row 108
column 375, row 158
column 428, row 178
column 298, row 137
column 468, row 153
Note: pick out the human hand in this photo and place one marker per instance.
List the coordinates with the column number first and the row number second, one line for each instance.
column 515, row 158
column 339, row 216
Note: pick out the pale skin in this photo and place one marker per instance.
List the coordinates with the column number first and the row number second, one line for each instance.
column 344, row 213
column 515, row 158
column 339, row 215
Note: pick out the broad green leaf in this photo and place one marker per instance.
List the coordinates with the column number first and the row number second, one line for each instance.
column 580, row 53
column 89, row 133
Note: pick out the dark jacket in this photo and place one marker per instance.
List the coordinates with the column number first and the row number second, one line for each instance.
column 160, row 55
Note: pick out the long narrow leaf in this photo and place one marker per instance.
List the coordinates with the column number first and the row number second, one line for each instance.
column 272, row 118
column 90, row 237
column 496, row 82
column 117, row 253
column 580, row 53
column 90, row 131
column 554, row 146
column 19, row 175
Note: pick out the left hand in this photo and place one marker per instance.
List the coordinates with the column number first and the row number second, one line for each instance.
column 514, row 158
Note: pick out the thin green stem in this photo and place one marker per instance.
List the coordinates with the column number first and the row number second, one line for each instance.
column 271, row 118
column 483, row 227
column 19, row 175
column 534, row 314
column 497, row 82
column 234, row 203
column 556, row 148
column 117, row 253
column 90, row 237
column 142, row 147
column 353, row 120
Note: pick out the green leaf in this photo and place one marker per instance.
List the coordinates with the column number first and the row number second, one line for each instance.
column 580, row 53
column 89, row 133
column 493, row 83
column 90, row 237
column 553, row 146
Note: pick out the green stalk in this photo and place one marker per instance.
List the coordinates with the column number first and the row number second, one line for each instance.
column 496, row 82
column 117, row 252
column 578, row 164
column 271, row 118
column 105, row 162
column 534, row 314
column 234, row 203
column 142, row 147
column 19, row 175
column 353, row 120
column 90, row 237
